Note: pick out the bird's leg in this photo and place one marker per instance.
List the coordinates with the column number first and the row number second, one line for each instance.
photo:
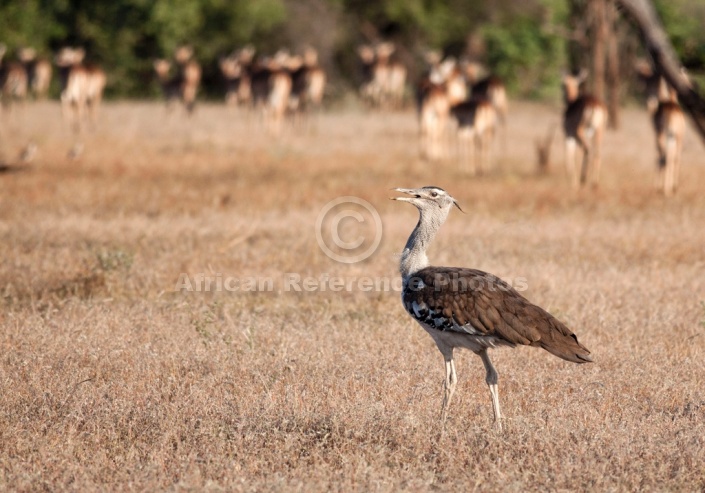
column 449, row 385
column 491, row 379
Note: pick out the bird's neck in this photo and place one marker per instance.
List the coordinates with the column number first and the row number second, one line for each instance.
column 414, row 258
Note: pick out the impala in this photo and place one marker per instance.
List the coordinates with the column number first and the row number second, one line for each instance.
column 271, row 85
column 477, row 120
column 81, row 86
column 489, row 87
column 189, row 75
column 584, row 121
column 40, row 78
column 433, row 109
column 441, row 89
column 370, row 90
column 170, row 84
column 232, row 73
column 315, row 78
column 183, row 85
column 655, row 86
column 393, row 75
column 669, row 123
column 279, row 91
column 236, row 69
column 308, row 81
column 13, row 79
column 455, row 82
column 384, row 78
column 38, row 71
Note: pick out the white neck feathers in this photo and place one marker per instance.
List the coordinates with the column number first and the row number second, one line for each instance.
column 414, row 258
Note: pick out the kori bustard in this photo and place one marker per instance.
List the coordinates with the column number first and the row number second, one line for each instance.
column 468, row 308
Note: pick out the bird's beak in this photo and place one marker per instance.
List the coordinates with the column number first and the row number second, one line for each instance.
column 408, row 191
column 455, row 202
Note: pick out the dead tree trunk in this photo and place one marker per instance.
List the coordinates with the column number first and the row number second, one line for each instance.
column 643, row 14
column 613, row 79
column 599, row 27
column 603, row 52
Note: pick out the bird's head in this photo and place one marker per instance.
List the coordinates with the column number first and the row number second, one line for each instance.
column 428, row 199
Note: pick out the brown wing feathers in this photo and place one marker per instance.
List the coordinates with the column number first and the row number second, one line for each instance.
column 490, row 307
column 560, row 341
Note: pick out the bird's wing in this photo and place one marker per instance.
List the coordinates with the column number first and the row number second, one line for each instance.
column 475, row 302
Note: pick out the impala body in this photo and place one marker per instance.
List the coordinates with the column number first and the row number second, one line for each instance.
column 489, row 87
column 13, row 79
column 434, row 111
column 384, row 78
column 584, row 121
column 477, row 121
column 82, row 86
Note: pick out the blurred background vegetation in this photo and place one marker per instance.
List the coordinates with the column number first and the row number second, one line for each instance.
column 527, row 42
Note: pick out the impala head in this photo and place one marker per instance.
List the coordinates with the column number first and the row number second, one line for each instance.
column 433, row 57
column 26, row 54
column 183, row 54
column 162, row 68
column 246, row 54
column 366, row 54
column 294, row 62
column 447, row 66
column 384, row 50
column 310, row 56
column 280, row 59
column 473, row 70
column 68, row 56
column 643, row 68
column 572, row 83
column 428, row 199
column 230, row 67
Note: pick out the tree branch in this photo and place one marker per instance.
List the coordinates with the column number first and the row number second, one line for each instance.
column 664, row 56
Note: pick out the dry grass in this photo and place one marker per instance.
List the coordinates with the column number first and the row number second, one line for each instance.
column 110, row 380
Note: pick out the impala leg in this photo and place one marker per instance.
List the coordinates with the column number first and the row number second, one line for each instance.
column 90, row 114
column 431, row 128
column 464, row 143
column 492, row 378
column 677, row 161
column 480, row 152
column 72, row 114
column 662, row 161
column 443, row 135
column 488, row 137
column 570, row 147
column 472, row 144
column 80, row 116
column 189, row 99
column 433, row 148
column 670, row 156
column 423, row 138
column 587, row 157
column 597, row 156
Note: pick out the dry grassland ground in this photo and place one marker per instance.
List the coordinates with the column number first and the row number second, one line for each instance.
column 110, row 380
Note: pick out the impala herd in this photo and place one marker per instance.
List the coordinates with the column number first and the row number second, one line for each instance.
column 183, row 84
column 279, row 86
column 458, row 102
column 445, row 91
column 384, row 77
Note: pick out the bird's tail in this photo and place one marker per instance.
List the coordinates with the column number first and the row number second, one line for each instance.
column 563, row 343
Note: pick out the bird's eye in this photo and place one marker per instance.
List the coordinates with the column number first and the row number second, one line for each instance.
column 434, row 194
